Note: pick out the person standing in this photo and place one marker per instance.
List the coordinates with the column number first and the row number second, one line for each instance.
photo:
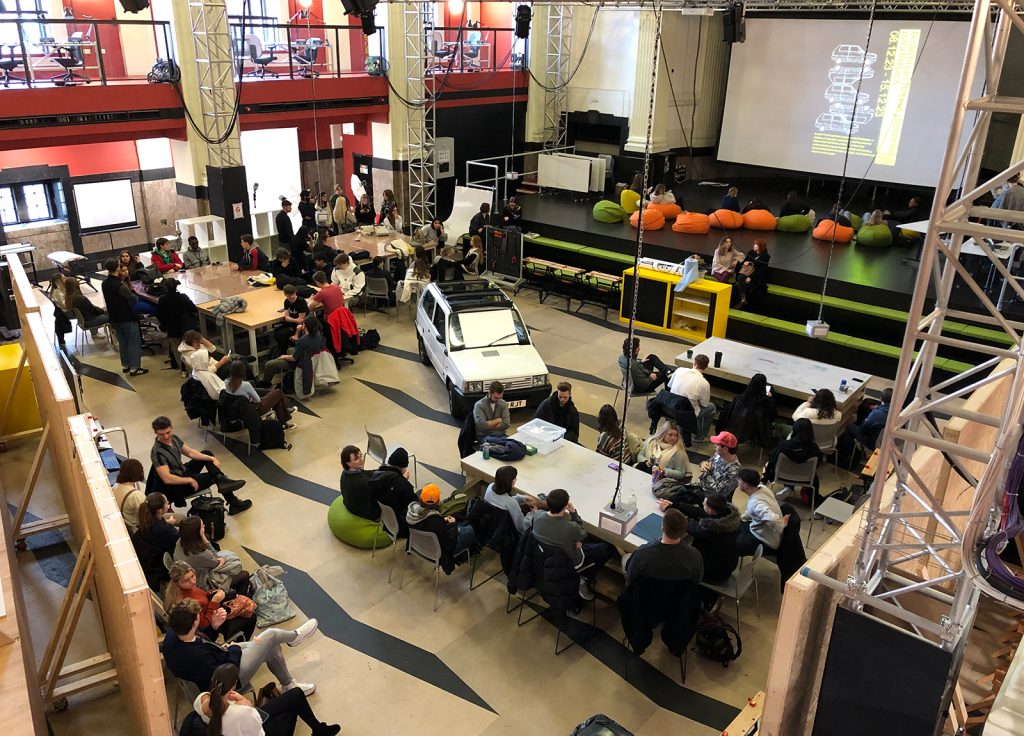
column 285, row 231
column 364, row 211
column 691, row 384
column 559, row 410
column 307, row 209
column 119, row 298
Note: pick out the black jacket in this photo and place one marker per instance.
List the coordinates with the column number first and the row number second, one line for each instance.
column 563, row 416
column 646, row 603
column 549, row 570
column 715, row 538
column 285, row 232
column 393, row 489
column 237, row 412
column 677, row 408
column 467, row 436
column 749, row 421
column 798, row 453
column 359, row 499
column 195, row 661
column 478, row 225
column 790, row 555
column 197, row 403
column 118, row 307
column 447, row 535
column 177, row 314
column 494, row 528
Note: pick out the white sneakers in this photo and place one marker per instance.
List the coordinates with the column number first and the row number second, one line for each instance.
column 585, row 592
column 307, row 688
column 304, row 632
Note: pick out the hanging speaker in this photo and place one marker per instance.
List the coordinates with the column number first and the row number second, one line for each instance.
column 134, row 6
column 523, row 17
column 734, row 28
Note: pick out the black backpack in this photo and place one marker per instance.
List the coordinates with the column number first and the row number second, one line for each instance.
column 272, row 435
column 211, row 511
column 504, row 448
column 600, row 725
column 715, row 639
column 368, row 339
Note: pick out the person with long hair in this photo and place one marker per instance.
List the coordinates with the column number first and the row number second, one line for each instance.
column 386, row 204
column 219, row 613
column 664, row 455
column 501, row 493
column 132, row 263
column 661, row 195
column 820, row 408
column 364, row 211
column 752, row 275
column 415, row 281
column 474, row 260
column 793, row 206
column 433, row 232
column 94, row 317
column 299, row 246
column 798, row 447
column 227, row 713
column 154, row 525
column 610, row 442
column 751, row 415
column 724, row 260
column 213, row 568
column 129, row 493
column 266, row 399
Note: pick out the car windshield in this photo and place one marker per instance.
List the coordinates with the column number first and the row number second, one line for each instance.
column 486, row 329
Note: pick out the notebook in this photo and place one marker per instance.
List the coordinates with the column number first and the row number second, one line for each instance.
column 648, row 528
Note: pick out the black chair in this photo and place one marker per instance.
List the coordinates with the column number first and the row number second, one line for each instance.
column 71, row 56
column 307, row 58
column 260, row 57
column 9, row 64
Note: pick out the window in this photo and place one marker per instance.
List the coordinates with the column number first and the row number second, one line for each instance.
column 31, row 202
column 258, row 21
column 23, row 10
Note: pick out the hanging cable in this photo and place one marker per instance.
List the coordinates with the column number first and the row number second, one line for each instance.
column 846, row 161
column 687, row 138
column 316, row 124
column 639, row 246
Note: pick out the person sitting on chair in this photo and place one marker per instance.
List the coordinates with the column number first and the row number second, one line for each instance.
column 491, row 412
column 95, row 317
column 644, row 375
column 390, row 486
column 751, row 415
column 512, row 215
column 798, row 447
column 663, row 455
column 668, row 558
column 691, row 384
column 559, row 525
column 866, row 432
column 820, row 408
column 201, row 471
column 718, row 475
column 194, row 257
column 431, row 233
column 285, row 268
column 364, row 211
column 191, row 656
column 500, row 493
column 328, row 295
column 559, row 410
column 271, row 399
column 714, row 528
column 253, row 259
column 478, row 224
column 164, row 256
column 610, row 442
column 762, row 522
column 225, row 711
column 347, row 275
column 424, row 515
column 293, row 313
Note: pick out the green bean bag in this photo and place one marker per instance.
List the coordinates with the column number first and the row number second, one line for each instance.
column 630, row 201
column 874, row 236
column 793, row 224
column 856, row 220
column 354, row 530
column 608, row 211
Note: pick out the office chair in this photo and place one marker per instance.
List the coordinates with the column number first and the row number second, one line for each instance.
column 9, row 64
column 259, row 57
column 438, row 52
column 471, row 51
column 75, row 59
column 307, row 56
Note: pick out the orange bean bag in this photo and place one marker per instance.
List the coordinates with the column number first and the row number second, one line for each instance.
column 824, row 232
column 694, row 223
column 759, row 220
column 670, row 211
column 653, row 219
column 726, row 219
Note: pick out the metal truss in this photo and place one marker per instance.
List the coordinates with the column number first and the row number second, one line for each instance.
column 766, row 6
column 215, row 67
column 557, row 67
column 918, row 543
column 417, row 27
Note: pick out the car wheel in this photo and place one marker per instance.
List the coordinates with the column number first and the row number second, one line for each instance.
column 454, row 408
column 424, row 358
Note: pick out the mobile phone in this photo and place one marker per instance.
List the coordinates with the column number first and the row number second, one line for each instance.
column 613, row 465
column 768, row 390
column 281, row 310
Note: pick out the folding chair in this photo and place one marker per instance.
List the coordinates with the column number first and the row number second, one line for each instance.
column 427, row 546
column 389, row 525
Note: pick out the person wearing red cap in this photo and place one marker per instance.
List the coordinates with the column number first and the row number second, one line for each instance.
column 718, row 475
column 425, row 515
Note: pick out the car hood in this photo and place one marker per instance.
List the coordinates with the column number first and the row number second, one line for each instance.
column 500, row 361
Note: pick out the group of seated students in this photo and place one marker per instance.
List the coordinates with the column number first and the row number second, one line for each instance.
column 747, row 273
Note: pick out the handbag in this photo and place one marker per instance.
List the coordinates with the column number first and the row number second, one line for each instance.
column 241, row 606
column 271, row 597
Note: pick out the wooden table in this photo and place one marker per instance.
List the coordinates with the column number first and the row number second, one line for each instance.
column 375, row 244
column 204, row 283
column 788, row 375
column 262, row 309
column 584, row 474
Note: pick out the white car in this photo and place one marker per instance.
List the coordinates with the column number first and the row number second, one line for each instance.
column 472, row 334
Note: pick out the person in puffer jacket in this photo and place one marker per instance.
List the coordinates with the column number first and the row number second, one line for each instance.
column 425, row 515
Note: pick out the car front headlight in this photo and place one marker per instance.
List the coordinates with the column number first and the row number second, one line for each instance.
column 540, row 380
column 473, row 387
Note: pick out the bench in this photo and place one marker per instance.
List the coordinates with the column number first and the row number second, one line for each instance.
column 601, row 289
column 550, row 278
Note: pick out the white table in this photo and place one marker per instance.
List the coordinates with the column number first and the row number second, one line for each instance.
column 788, row 375
column 584, row 474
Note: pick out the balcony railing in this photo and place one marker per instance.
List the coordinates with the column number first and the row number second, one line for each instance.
column 477, row 49
column 268, row 49
column 47, row 52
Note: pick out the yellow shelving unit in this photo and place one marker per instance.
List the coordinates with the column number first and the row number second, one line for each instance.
column 700, row 311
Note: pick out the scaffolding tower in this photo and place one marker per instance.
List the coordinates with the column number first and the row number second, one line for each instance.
column 557, row 57
column 215, row 67
column 418, row 29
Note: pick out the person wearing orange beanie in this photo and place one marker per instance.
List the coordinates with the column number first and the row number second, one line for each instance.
column 454, row 536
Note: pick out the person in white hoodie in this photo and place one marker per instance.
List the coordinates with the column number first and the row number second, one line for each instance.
column 347, row 275
column 762, row 522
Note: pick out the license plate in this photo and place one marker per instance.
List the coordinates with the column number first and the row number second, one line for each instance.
column 519, row 404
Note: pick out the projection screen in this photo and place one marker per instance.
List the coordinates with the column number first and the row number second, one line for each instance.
column 801, row 90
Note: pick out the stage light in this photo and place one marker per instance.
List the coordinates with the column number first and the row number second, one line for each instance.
column 523, row 16
column 369, row 24
column 304, row 4
column 455, row 7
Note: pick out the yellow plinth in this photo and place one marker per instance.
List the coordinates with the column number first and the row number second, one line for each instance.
column 23, row 413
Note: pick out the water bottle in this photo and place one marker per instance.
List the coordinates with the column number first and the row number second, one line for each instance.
column 487, row 452
column 842, row 386
column 632, row 502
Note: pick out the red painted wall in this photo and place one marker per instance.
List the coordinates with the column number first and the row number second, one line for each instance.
column 81, row 160
column 497, row 15
column 108, row 36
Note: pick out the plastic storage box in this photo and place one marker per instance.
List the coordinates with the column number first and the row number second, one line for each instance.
column 545, row 436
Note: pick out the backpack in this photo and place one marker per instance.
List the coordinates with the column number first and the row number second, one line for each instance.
column 368, row 339
column 455, row 505
column 272, row 603
column 600, row 725
column 504, row 448
column 211, row 511
column 715, row 639
column 272, row 435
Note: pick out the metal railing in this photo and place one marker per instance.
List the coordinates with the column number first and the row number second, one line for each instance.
column 65, row 52
column 478, row 49
column 300, row 51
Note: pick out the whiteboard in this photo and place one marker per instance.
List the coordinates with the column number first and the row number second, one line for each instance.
column 564, row 172
column 105, row 205
column 271, row 160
